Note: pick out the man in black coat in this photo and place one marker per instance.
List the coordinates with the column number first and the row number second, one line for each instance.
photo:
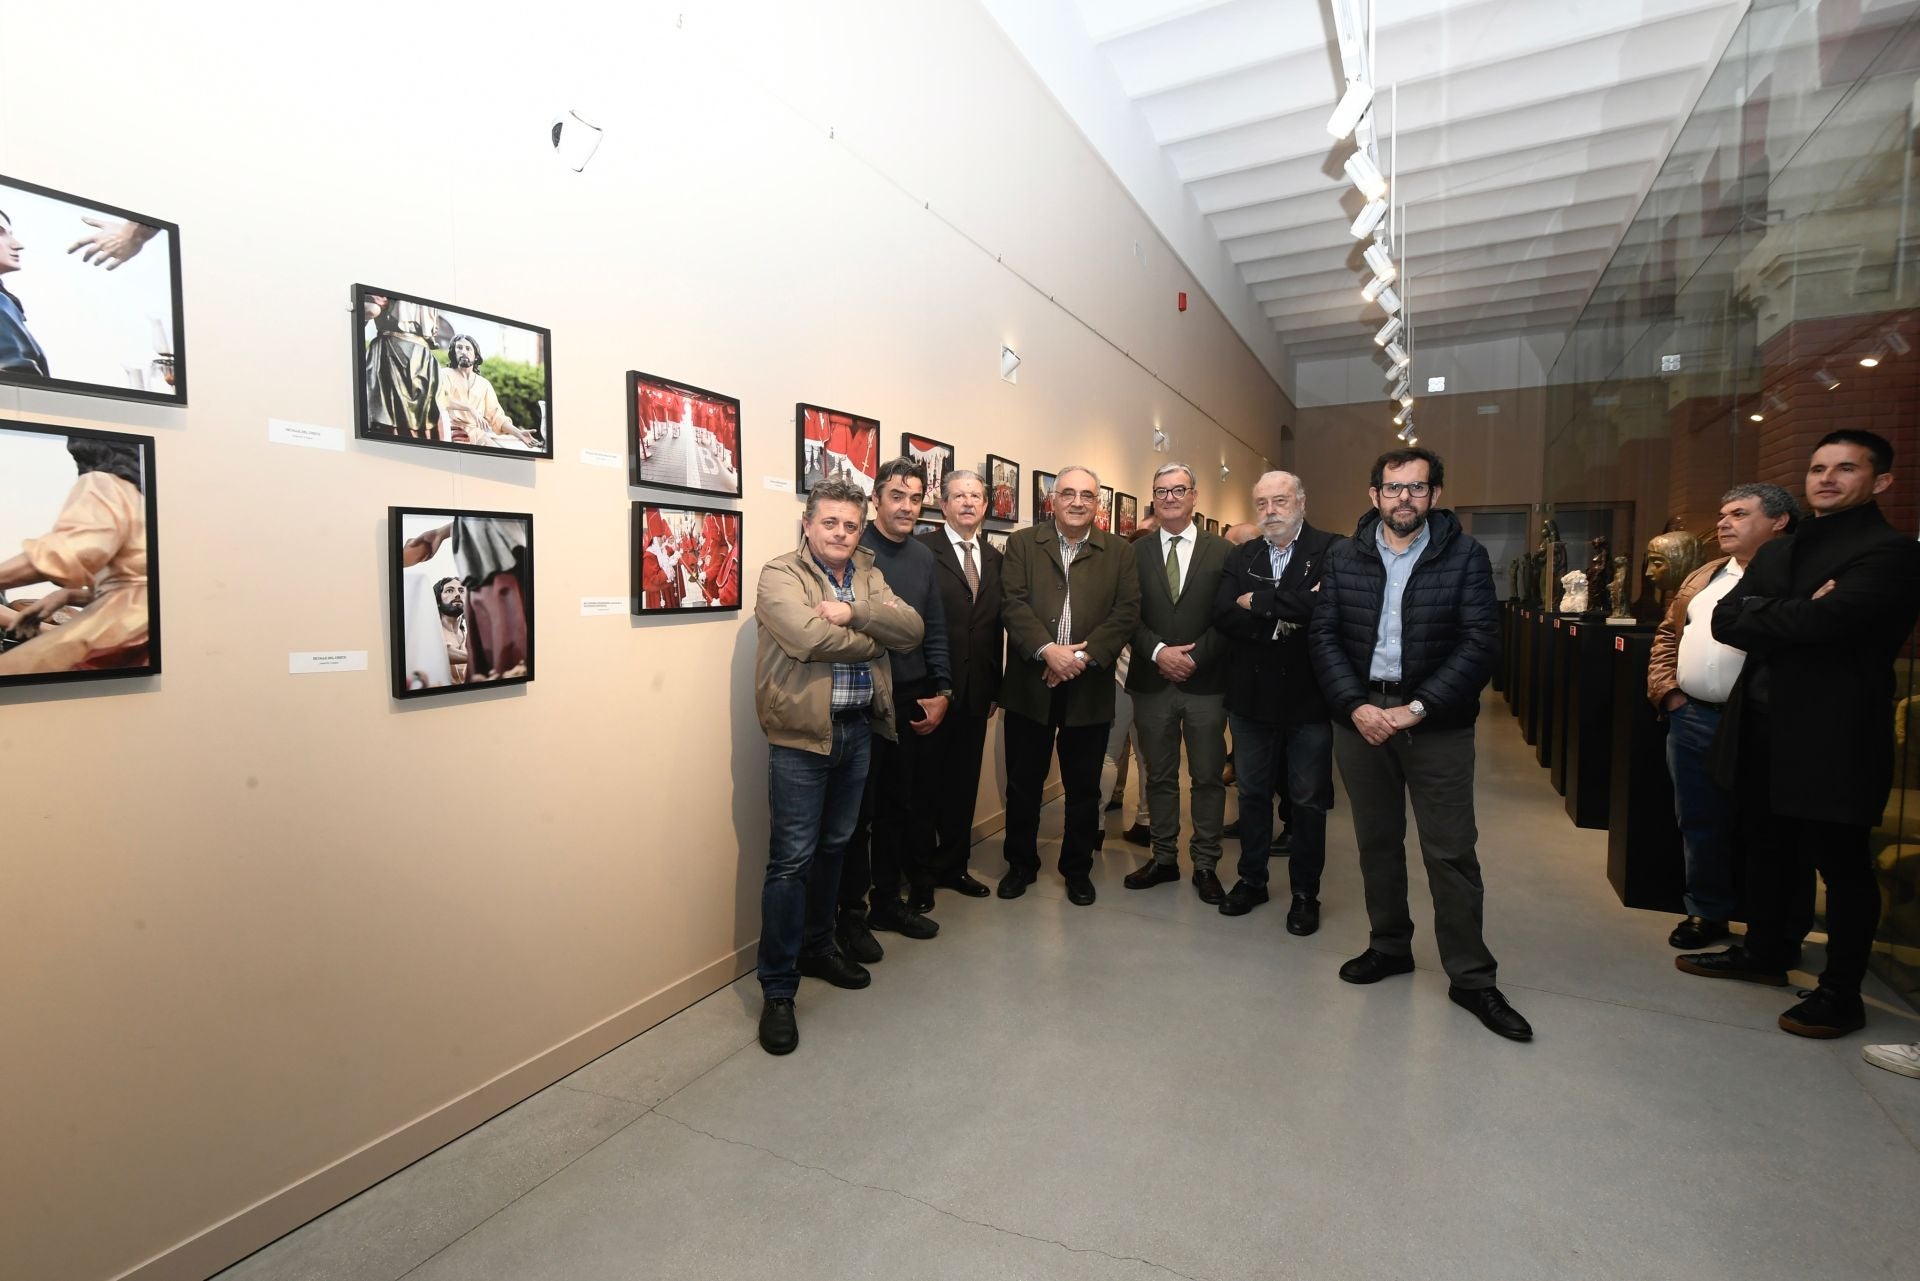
column 1263, row 604
column 1823, row 616
column 969, row 581
column 1404, row 640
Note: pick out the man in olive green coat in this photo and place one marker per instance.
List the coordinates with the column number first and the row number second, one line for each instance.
column 1071, row 599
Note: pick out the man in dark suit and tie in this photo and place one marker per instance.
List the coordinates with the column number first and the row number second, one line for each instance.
column 969, row 582
column 1281, row 732
column 1177, row 676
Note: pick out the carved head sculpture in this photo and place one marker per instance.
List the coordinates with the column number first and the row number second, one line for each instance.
column 1670, row 558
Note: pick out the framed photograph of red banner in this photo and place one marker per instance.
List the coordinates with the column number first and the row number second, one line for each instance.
column 832, row 443
column 686, row 560
column 936, row 456
column 80, row 577
column 1103, row 515
column 461, row 585
column 1126, row 514
column 1003, row 489
column 682, row 437
column 1043, row 483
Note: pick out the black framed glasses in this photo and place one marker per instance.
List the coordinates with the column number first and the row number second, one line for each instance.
column 1411, row 488
column 1173, row 491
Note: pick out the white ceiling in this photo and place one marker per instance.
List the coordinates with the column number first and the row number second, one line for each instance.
column 1529, row 131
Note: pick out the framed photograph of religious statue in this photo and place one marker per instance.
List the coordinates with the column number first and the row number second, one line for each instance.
column 89, row 297
column 682, row 437
column 1103, row 515
column 426, row 373
column 686, row 560
column 936, row 456
column 834, row 444
column 997, row 539
column 79, row 555
column 1043, row 482
column 1003, row 488
column 1126, row 515
column 461, row 589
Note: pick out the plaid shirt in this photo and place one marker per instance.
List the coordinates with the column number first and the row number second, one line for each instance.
column 852, row 682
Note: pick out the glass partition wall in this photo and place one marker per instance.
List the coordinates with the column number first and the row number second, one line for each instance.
column 1767, row 292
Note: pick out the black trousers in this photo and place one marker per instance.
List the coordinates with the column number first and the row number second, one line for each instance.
column 1030, row 746
column 894, row 837
column 1782, row 855
column 958, row 746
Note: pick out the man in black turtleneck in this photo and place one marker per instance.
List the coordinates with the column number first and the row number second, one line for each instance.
column 1808, row 736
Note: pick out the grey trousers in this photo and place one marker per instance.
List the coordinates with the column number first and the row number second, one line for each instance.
column 1435, row 768
column 1163, row 719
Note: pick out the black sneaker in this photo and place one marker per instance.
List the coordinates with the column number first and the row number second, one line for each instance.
column 779, row 1032
column 1825, row 1014
column 855, row 940
column 1734, row 963
column 835, row 969
column 900, row 919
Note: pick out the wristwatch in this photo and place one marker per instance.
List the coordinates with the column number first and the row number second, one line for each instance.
column 944, row 693
column 1418, row 708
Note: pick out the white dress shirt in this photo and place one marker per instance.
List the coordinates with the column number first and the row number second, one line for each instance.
column 1184, row 554
column 1707, row 670
column 956, row 542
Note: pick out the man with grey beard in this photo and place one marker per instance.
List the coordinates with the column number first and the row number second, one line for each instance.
column 1263, row 605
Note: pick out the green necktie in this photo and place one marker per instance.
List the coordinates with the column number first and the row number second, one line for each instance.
column 1173, row 568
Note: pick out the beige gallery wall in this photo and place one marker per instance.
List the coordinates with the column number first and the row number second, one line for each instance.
column 265, row 938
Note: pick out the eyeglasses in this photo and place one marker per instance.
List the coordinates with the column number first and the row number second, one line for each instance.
column 1411, row 488
column 1069, row 495
column 1175, row 491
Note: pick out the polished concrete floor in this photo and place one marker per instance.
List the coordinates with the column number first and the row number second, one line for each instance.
column 1145, row 1088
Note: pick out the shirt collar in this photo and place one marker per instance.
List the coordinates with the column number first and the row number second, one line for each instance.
column 1419, row 540
column 958, row 541
column 839, row 580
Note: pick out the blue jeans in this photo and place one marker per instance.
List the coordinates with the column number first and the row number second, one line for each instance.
column 814, row 801
column 1704, row 812
column 1259, row 750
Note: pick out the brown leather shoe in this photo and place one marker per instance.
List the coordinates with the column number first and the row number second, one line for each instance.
column 1150, row 874
column 1207, row 885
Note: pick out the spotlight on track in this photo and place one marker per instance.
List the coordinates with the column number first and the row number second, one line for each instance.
column 1387, row 331
column 1900, row 345
column 1353, row 104
column 1388, row 300
column 574, row 139
column 1369, row 219
column 1826, row 379
column 1402, row 388
column 1870, row 361
column 1366, row 175
column 1398, row 355
column 1382, row 263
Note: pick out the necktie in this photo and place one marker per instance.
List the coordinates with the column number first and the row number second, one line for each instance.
column 972, row 572
column 1173, row 568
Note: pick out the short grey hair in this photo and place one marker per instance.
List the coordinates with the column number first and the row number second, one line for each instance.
column 1193, row 480
column 836, row 491
column 1774, row 501
column 1299, row 486
column 1078, row 467
column 946, row 483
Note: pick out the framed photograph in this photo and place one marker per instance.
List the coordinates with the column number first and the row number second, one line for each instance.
column 997, row 539
column 936, row 456
column 462, row 599
column 686, row 560
column 79, row 556
column 833, row 443
column 682, row 437
column 427, row 374
column 1003, row 488
column 1103, row 515
column 1199, row 521
column 89, row 297
column 1126, row 515
column 927, row 525
column 1043, row 482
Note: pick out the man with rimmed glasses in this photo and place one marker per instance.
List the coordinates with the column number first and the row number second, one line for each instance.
column 1403, row 642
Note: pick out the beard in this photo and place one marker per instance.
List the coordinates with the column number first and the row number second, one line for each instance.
column 452, row 609
column 1280, row 530
column 463, row 360
column 1404, row 520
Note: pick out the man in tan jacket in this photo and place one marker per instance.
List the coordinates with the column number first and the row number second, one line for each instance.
column 1689, row 678
column 825, row 615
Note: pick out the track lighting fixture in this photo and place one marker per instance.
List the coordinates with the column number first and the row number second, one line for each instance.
column 1870, row 361
column 1381, row 261
column 1398, row 355
column 1371, row 290
column 1388, row 300
column 1402, row 388
column 1353, row 104
column 1900, row 345
column 1366, row 175
column 1406, row 402
column 1369, row 219
column 1387, row 331
column 1826, row 379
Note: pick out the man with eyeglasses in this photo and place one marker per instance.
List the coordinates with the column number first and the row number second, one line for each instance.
column 1070, row 599
column 1264, row 602
column 1403, row 642
column 1177, row 681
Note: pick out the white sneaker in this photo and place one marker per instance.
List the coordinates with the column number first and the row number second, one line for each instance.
column 1904, row 1059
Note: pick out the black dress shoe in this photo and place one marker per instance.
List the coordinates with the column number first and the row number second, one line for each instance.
column 1148, row 875
column 1231, row 831
column 1015, row 882
column 1734, row 963
column 1825, row 1014
column 1207, row 885
column 1282, row 843
column 835, row 969
column 1303, row 917
column 1243, row 898
column 1371, row 966
column 900, row 919
column 920, row 898
column 1139, row 834
column 1079, row 890
column 1491, row 1008
column 963, row 884
column 779, row 1033
column 854, row 939
column 1696, row 932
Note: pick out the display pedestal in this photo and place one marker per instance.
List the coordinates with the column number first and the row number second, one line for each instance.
column 1589, row 737
column 1546, row 689
column 1499, row 681
column 1644, row 858
column 1510, row 655
column 1526, row 675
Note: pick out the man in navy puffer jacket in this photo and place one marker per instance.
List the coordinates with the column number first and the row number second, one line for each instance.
column 1403, row 642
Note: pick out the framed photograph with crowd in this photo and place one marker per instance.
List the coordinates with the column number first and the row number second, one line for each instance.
column 1126, row 515
column 89, row 297
column 79, row 555
column 461, row 587
column 686, row 560
column 936, row 456
column 1103, row 515
column 834, row 444
column 425, row 373
column 1043, row 483
column 1003, row 488
column 682, row 437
